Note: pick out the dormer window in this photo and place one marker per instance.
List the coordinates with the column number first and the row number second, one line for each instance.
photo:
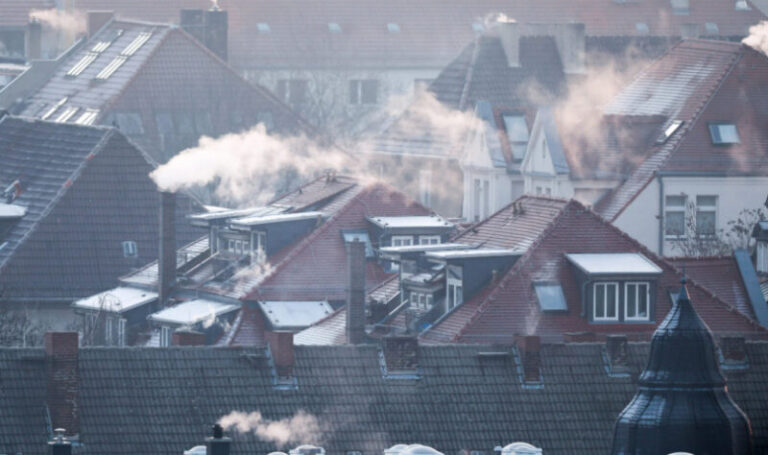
column 605, row 303
column 402, row 240
column 429, row 240
column 680, row 7
column 723, row 133
column 636, row 298
column 517, row 134
column 454, row 287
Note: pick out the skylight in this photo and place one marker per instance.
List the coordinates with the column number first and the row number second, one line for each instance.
column 712, row 28
column 742, row 5
column 669, row 131
column 393, row 28
column 550, row 296
column 87, row 117
column 82, row 64
column 333, row 27
column 478, row 27
column 54, row 108
column 136, row 44
column 67, row 114
column 263, row 27
column 642, row 28
column 723, row 133
column 680, row 7
column 111, row 67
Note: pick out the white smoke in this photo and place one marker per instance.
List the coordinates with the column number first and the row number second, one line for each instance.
column 68, row 22
column 758, row 37
column 301, row 428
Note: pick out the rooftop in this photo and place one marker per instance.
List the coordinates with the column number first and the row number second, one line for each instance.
column 117, row 300
column 614, row 263
column 192, row 312
column 473, row 253
column 284, row 315
column 396, row 222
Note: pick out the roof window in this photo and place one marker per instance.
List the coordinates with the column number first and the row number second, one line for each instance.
column 333, row 27
column 136, row 44
column 263, row 27
column 82, row 64
column 712, row 29
column 517, row 133
column 642, row 28
column 66, row 114
column 669, row 131
column 54, row 108
column 477, row 27
column 393, row 27
column 87, row 117
column 110, row 69
column 550, row 296
column 723, row 133
column 742, row 5
column 681, row 7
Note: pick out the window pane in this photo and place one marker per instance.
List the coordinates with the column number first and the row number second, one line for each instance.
column 354, row 92
column 642, row 307
column 631, row 299
column 675, row 224
column 370, row 91
column 599, row 301
column 676, row 201
column 517, row 129
column 705, row 223
column 297, row 91
column 459, row 295
column 611, row 301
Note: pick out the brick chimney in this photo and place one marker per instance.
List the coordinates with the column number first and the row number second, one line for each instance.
column 167, row 255
column 355, row 292
column 98, row 19
column 209, row 27
column 616, row 352
column 734, row 350
column 34, row 45
column 281, row 347
column 529, row 347
column 217, row 444
column 509, row 35
column 184, row 337
column 61, row 349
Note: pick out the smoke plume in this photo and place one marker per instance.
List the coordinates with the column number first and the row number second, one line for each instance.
column 74, row 23
column 301, row 428
column 758, row 37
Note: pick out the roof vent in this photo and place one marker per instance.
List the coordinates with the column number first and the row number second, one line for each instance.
column 520, row 448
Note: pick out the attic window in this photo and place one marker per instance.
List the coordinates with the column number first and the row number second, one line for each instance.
column 136, row 44
column 87, row 117
column 477, row 27
column 712, row 29
column 110, row 69
column 642, row 28
column 680, row 7
column 393, row 28
column 517, row 133
column 550, row 296
column 66, row 114
column 723, row 133
column 263, row 27
column 669, row 131
column 333, row 27
column 742, row 5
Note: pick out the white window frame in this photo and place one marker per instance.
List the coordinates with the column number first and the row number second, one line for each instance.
column 231, row 245
column 454, row 291
column 676, row 209
column 429, row 240
column 356, row 91
column 402, row 240
column 165, row 336
column 637, row 285
column 121, row 323
column 108, row 331
column 762, row 256
column 605, row 303
column 706, row 209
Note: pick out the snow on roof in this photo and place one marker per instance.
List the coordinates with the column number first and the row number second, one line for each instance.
column 284, row 315
column 614, row 263
column 192, row 312
column 395, row 222
column 270, row 219
column 473, row 253
column 117, row 300
column 425, row 248
column 217, row 213
column 12, row 211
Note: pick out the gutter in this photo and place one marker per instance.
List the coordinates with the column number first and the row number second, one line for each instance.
column 661, row 214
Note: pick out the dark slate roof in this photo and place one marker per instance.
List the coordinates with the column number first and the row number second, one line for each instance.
column 22, row 401
column 162, row 400
column 86, row 190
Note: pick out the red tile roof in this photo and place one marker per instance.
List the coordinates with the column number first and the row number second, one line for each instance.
column 431, row 32
column 698, row 82
column 510, row 307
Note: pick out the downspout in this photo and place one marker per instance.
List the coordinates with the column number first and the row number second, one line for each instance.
column 661, row 215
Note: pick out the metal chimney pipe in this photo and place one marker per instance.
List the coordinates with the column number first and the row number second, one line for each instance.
column 217, row 444
column 355, row 292
column 167, row 254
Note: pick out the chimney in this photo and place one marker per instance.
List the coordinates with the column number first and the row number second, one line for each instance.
column 98, row 19
column 167, row 255
column 217, row 444
column 34, row 40
column 734, row 350
column 185, row 337
column 281, row 347
column 59, row 445
column 210, row 28
column 401, row 354
column 61, row 392
column 580, row 337
column 616, row 352
column 355, row 292
column 529, row 347
column 509, row 34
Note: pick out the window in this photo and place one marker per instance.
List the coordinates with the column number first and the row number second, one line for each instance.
column 121, row 332
column 129, row 123
column 517, row 133
column 231, row 245
column 723, row 133
column 425, row 184
column 605, row 302
column 636, row 299
column 363, row 91
column 393, row 28
column 90, row 323
column 130, row 249
column 82, row 64
column 87, row 117
column 762, row 256
column 454, row 287
column 674, row 216
column 550, row 296
column 333, row 27
column 165, row 336
column 65, row 115
column 642, row 28
column 402, row 240
column 476, row 190
column 429, row 240
column 712, row 29
column 110, row 69
column 419, row 300
column 136, row 44
column 54, row 108
column 108, row 332
column 486, row 199
column 669, row 131
column 259, row 243
column 263, row 28
column 680, row 7
column 706, row 215
column 293, row 91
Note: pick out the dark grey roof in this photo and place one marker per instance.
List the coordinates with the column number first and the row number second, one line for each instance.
column 86, row 190
column 161, row 401
column 22, row 401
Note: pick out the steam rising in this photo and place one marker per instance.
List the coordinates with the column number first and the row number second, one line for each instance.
column 758, row 37
column 74, row 23
column 301, row 428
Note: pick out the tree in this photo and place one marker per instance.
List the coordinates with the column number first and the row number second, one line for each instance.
column 702, row 241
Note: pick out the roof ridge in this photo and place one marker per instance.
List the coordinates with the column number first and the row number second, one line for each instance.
column 477, row 224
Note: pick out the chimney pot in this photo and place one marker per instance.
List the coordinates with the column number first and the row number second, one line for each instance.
column 98, row 19
column 355, row 292
column 61, row 352
column 217, row 444
column 281, row 347
column 530, row 356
